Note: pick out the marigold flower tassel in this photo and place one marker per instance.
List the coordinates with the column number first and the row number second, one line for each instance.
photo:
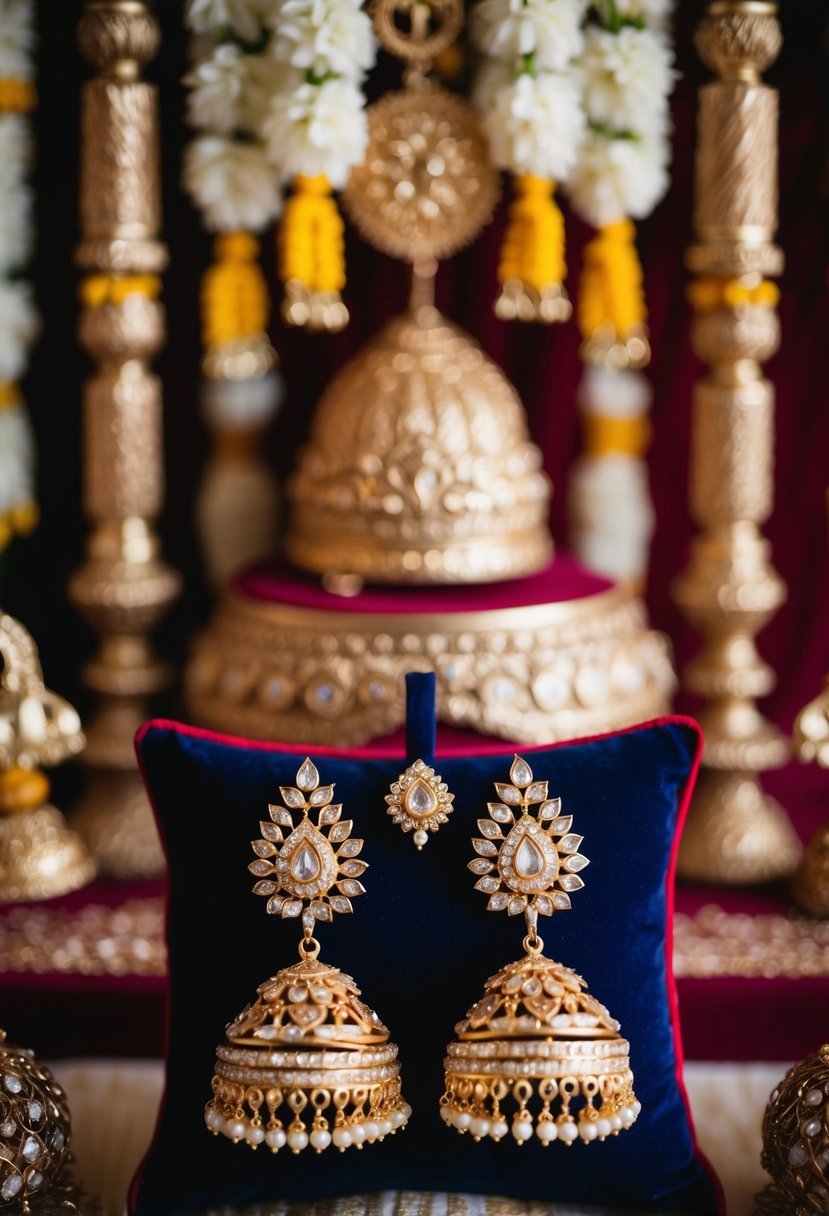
column 237, row 505
column 532, row 267
column 312, row 257
column 611, row 311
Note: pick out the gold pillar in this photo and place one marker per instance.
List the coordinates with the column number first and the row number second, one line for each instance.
column 735, row 833
column 123, row 588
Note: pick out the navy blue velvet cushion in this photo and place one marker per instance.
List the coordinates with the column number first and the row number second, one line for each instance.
column 420, row 945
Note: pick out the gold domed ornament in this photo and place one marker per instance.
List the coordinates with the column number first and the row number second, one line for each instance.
column 796, row 1141
column 35, row 1134
column 537, row 1048
column 419, row 467
column 307, row 1063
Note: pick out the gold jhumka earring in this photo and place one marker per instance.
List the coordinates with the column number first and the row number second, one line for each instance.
column 536, row 1035
column 307, row 1063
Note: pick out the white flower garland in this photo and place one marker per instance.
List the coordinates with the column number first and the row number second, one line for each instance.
column 531, row 101
column 315, row 122
column 621, row 174
column 19, row 322
column 226, row 171
column 627, row 76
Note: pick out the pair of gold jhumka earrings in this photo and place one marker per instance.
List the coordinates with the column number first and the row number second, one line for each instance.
column 307, row 1064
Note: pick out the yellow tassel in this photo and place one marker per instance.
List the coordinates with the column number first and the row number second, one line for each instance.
column 96, row 290
column 312, row 257
column 17, row 96
column 234, row 295
column 612, row 313
column 714, row 291
column 611, row 435
column 532, row 269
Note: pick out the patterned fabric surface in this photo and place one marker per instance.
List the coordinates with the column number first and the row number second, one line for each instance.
column 727, row 1101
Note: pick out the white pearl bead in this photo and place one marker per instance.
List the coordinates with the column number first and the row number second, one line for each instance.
column 235, row 1129
column 546, row 1132
column 372, row 1130
column 522, row 1129
column 255, row 1135
column 297, row 1141
column 214, row 1119
column 498, row 1129
column 636, row 1107
column 420, row 838
column 320, row 1139
column 275, row 1138
column 462, row 1120
column 399, row 1118
column 479, row 1128
column 342, row 1137
column 386, row 1127
column 798, row 1155
column 446, row 1114
column 588, row 1131
column 603, row 1128
column 358, row 1133
column 627, row 1116
column 814, row 1097
column 407, row 1110
column 568, row 1132
column 615, row 1122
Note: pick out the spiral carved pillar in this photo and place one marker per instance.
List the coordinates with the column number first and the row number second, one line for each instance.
column 123, row 588
column 735, row 832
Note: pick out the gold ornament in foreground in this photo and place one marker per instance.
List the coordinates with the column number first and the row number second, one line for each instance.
column 735, row 833
column 307, row 1063
column 40, row 857
column 35, row 1132
column 540, row 672
column 536, row 1036
column 796, row 1141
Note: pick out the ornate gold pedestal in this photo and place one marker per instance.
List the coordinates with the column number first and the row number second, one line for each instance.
column 810, row 885
column 533, row 673
column 735, row 833
column 124, row 588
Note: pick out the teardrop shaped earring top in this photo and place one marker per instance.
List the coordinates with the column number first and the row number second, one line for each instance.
column 307, row 1047
column 419, row 801
column 536, row 1036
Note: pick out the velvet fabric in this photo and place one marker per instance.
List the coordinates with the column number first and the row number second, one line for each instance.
column 563, row 578
column 421, row 945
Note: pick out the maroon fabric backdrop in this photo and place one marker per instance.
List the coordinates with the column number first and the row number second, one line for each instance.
column 543, row 362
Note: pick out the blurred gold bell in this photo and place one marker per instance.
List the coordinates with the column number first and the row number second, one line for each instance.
column 419, row 467
column 40, row 857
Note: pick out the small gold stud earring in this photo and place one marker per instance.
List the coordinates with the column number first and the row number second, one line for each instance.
column 419, row 801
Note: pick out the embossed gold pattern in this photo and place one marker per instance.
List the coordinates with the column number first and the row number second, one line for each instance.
column 543, row 672
column 419, row 468
column 735, row 833
column 124, row 588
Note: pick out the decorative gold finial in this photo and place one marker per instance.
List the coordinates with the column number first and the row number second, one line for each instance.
column 39, row 856
column 735, row 833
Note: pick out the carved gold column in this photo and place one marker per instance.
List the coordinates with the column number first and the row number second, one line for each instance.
column 735, row 833
column 123, row 588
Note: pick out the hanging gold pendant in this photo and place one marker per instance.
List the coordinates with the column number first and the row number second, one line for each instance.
column 419, row 801
column 307, row 1063
column 536, row 1038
